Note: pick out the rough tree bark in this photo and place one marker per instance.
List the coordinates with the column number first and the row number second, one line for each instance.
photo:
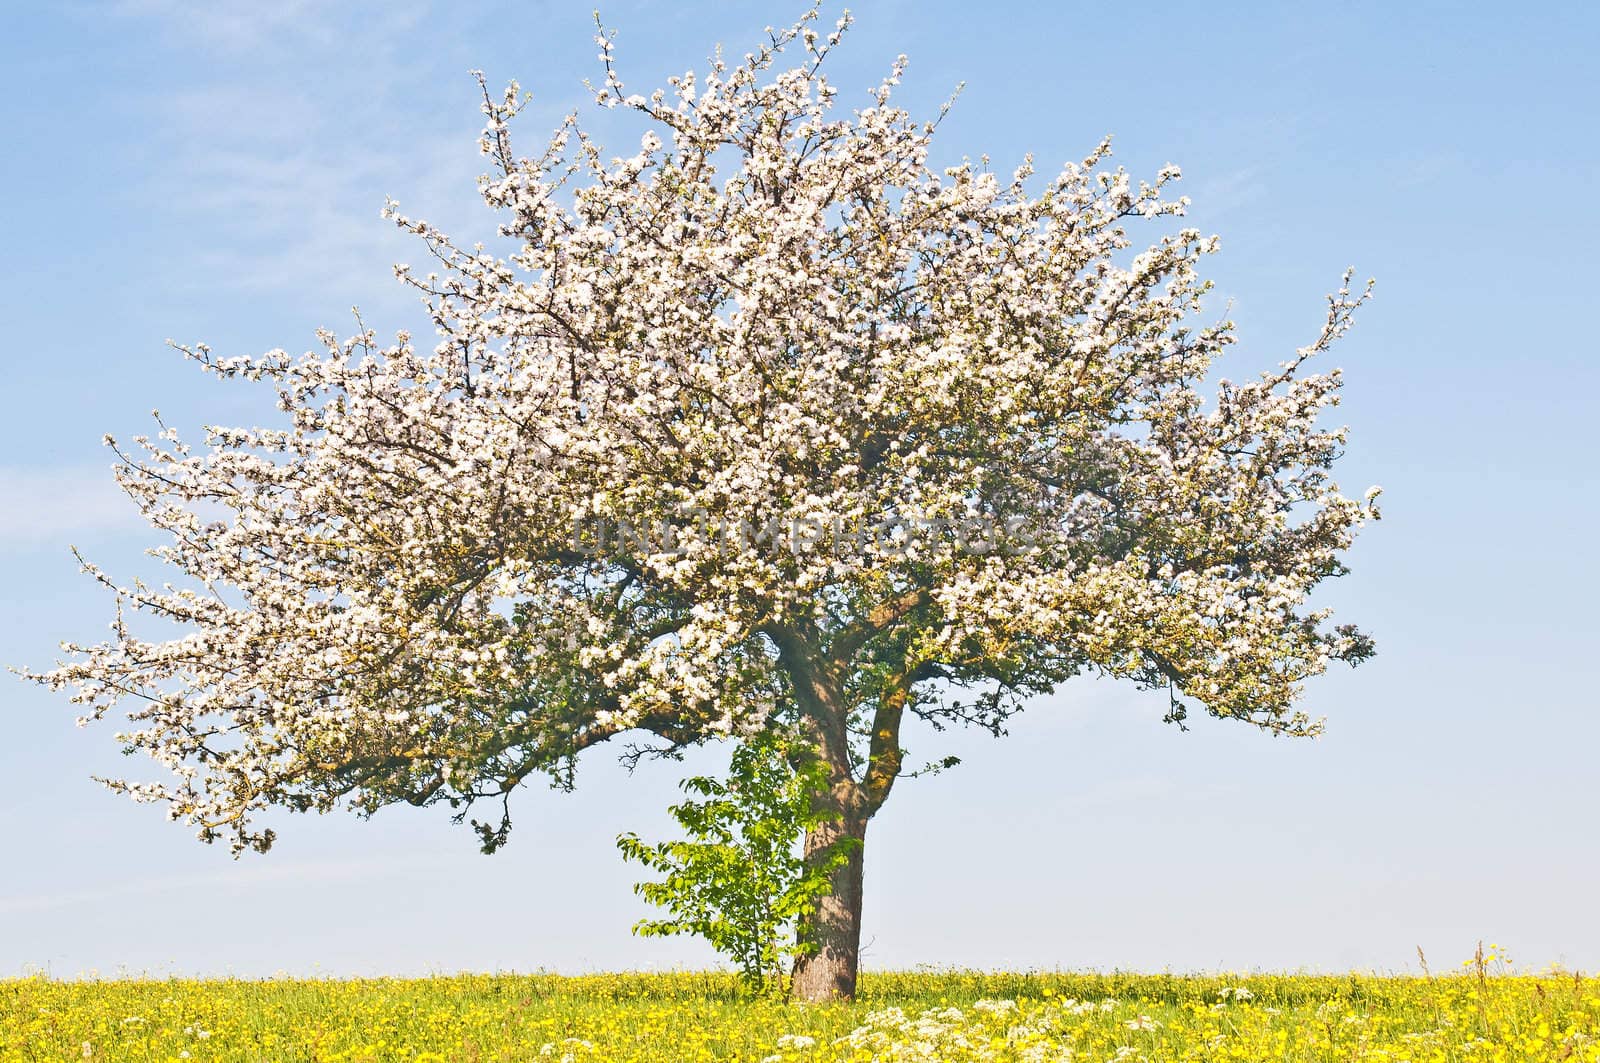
column 834, row 924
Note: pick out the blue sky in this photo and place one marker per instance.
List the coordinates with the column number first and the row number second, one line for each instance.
column 214, row 173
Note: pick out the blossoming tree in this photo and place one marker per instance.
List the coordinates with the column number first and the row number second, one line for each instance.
column 771, row 421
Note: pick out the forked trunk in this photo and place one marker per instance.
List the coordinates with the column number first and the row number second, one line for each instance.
column 833, row 926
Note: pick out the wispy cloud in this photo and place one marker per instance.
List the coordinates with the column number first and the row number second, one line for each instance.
column 1230, row 192
column 238, row 877
column 238, row 25
column 40, row 507
column 279, row 149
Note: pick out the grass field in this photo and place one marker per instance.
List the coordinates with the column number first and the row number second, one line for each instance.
column 1474, row 1014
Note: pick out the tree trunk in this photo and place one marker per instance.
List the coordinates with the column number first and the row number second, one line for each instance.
column 833, row 926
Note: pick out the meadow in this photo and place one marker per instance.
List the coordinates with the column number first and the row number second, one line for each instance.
column 1477, row 1013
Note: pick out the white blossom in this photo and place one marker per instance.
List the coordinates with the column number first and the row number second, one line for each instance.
column 777, row 309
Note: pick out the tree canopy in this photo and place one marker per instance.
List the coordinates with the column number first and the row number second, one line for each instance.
column 771, row 418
